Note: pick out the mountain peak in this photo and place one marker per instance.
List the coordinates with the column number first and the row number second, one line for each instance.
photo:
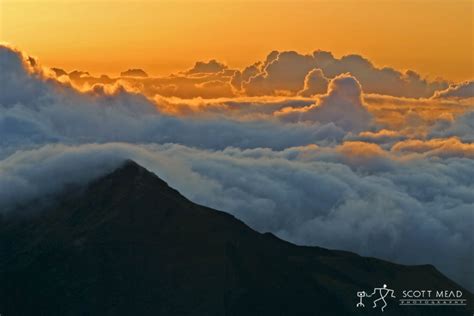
column 131, row 166
column 130, row 173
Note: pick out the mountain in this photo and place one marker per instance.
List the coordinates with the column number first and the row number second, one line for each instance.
column 128, row 244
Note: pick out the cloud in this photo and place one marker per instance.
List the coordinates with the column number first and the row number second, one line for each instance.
column 19, row 77
column 243, row 76
column 78, row 75
column 384, row 80
column 462, row 127
column 384, row 137
column 462, row 90
column 283, row 71
column 212, row 66
column 330, row 177
column 36, row 110
column 314, row 83
column 58, row 72
column 242, row 109
column 287, row 71
column 134, row 72
column 342, row 105
column 438, row 147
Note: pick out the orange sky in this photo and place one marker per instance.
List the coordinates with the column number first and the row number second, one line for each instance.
column 434, row 38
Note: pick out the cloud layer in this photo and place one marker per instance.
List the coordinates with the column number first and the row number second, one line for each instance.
column 287, row 73
column 379, row 175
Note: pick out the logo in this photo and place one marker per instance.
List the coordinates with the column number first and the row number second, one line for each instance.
column 382, row 293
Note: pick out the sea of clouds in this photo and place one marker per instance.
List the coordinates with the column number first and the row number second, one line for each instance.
column 381, row 174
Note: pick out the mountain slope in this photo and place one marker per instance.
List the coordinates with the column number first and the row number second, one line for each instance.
column 128, row 244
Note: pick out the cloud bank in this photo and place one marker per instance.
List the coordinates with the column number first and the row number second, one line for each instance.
column 286, row 73
column 289, row 71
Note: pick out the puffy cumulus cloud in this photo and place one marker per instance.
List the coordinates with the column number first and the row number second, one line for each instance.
column 404, row 200
column 314, row 83
column 212, row 66
column 462, row 90
column 287, row 71
column 378, row 80
column 18, row 74
column 283, row 71
column 243, row 76
column 342, row 105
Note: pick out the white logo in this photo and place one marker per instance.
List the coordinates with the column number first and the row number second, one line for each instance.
column 413, row 297
column 382, row 293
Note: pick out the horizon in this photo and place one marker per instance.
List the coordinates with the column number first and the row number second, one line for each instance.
column 99, row 36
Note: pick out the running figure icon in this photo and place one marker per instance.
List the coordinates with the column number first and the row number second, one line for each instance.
column 383, row 292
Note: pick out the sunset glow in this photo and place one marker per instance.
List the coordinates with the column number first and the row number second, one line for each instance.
column 433, row 38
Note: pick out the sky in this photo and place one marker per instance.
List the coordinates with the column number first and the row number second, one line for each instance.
column 434, row 38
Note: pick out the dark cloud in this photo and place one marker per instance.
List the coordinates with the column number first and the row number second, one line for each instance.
column 134, row 72
column 78, row 74
column 58, row 72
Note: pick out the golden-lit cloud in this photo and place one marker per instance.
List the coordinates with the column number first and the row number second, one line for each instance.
column 463, row 90
column 439, row 147
column 211, row 89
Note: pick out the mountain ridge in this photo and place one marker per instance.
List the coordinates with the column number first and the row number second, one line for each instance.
column 129, row 243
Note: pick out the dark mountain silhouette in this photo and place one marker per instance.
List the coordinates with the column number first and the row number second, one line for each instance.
column 128, row 244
